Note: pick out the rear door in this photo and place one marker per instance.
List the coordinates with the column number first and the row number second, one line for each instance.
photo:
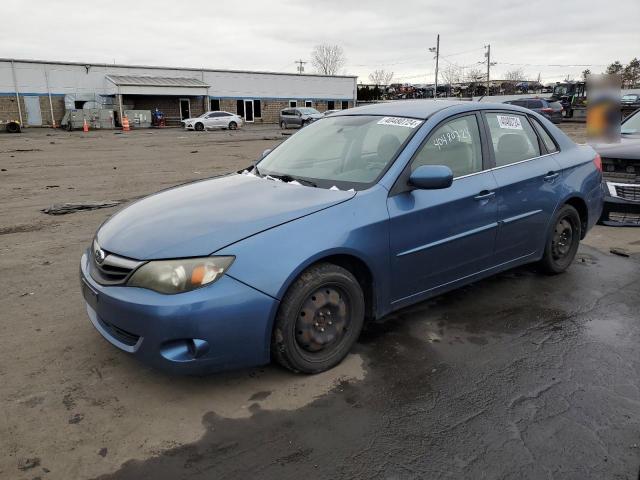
column 528, row 179
column 440, row 236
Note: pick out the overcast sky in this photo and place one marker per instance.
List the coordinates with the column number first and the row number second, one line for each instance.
column 553, row 38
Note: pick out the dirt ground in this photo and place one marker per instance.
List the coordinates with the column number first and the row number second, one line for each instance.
column 75, row 407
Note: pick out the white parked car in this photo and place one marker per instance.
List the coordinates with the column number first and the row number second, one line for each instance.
column 210, row 120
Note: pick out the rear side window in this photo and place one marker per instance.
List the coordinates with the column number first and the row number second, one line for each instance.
column 455, row 144
column 519, row 103
column 512, row 138
column 534, row 103
column 546, row 138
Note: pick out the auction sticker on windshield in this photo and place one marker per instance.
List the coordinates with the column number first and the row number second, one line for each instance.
column 400, row 122
column 507, row 121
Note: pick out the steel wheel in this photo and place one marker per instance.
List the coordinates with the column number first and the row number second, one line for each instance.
column 562, row 239
column 323, row 319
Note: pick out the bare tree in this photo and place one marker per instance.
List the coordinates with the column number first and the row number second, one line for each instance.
column 475, row 75
column 450, row 74
column 517, row 74
column 327, row 59
column 381, row 77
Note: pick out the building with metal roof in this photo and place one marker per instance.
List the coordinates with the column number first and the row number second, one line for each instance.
column 39, row 92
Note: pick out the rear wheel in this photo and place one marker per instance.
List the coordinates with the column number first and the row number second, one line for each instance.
column 563, row 240
column 319, row 320
column 233, row 125
column 199, row 127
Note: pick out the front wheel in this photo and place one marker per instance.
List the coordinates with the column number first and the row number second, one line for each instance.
column 199, row 127
column 319, row 320
column 563, row 240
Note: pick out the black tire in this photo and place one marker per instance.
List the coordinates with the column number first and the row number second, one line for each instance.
column 199, row 127
column 283, row 125
column 69, row 126
column 563, row 240
column 233, row 125
column 319, row 320
column 13, row 127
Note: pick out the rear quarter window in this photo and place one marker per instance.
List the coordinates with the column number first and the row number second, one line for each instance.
column 545, row 137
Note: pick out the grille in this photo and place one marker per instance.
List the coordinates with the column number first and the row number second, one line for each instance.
column 628, row 192
column 121, row 335
column 621, row 170
column 624, row 218
column 113, row 270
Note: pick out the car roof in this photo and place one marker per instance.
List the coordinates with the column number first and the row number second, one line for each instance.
column 423, row 109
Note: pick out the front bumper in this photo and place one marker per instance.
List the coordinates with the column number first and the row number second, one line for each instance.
column 223, row 326
column 617, row 210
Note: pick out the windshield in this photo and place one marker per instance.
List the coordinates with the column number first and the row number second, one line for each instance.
column 308, row 111
column 560, row 90
column 345, row 152
column 631, row 125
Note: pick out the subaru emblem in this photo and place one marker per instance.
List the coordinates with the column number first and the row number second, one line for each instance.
column 99, row 255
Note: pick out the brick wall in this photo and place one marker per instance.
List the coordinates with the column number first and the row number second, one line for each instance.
column 9, row 108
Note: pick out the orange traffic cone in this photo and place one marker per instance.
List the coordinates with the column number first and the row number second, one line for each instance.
column 85, row 127
column 125, row 124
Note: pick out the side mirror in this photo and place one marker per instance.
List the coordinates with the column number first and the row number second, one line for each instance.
column 265, row 153
column 431, row 177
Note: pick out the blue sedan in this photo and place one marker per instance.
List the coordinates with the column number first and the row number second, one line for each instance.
column 353, row 217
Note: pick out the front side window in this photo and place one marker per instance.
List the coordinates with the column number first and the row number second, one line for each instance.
column 455, row 144
column 512, row 138
column 346, row 152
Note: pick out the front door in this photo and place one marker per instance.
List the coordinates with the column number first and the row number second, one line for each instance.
column 440, row 236
column 34, row 115
column 185, row 108
column 528, row 185
column 248, row 111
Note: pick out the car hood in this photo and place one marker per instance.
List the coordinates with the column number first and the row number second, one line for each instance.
column 199, row 218
column 628, row 148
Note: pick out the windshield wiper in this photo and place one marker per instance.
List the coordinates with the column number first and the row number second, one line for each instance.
column 288, row 178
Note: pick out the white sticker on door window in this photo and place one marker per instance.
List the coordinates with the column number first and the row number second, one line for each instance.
column 509, row 122
column 400, row 122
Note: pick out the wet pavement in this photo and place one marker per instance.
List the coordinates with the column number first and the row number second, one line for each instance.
column 520, row 376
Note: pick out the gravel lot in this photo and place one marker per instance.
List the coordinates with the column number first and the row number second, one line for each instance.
column 518, row 376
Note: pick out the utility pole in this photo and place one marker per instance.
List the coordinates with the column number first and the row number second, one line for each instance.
column 300, row 67
column 436, row 50
column 488, row 54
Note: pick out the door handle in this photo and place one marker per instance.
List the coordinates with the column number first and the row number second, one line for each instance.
column 551, row 176
column 484, row 195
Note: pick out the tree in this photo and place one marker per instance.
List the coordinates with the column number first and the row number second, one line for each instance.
column 585, row 73
column 327, row 59
column 614, row 68
column 381, row 77
column 631, row 73
column 475, row 75
column 517, row 74
column 450, row 74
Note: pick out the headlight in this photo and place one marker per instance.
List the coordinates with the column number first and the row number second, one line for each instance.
column 177, row 276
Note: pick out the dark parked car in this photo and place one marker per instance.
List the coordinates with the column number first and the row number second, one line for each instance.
column 621, row 175
column 298, row 117
column 350, row 219
column 629, row 103
column 550, row 110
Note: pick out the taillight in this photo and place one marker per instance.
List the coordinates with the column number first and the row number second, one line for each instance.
column 598, row 162
column 547, row 110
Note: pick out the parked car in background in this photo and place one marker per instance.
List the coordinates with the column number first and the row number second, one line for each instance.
column 630, row 100
column 550, row 110
column 352, row 218
column 621, row 175
column 329, row 112
column 298, row 117
column 212, row 120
